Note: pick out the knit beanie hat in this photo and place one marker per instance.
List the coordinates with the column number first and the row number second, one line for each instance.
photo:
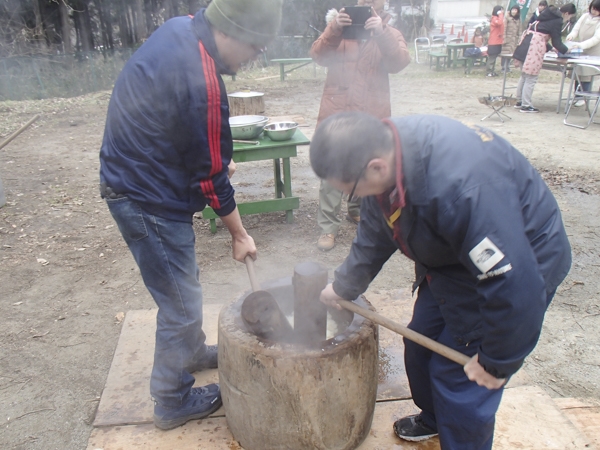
column 253, row 21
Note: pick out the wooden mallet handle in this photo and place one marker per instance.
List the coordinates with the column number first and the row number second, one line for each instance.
column 418, row 338
column 252, row 273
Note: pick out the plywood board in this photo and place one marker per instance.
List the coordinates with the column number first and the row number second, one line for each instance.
column 126, row 396
column 382, row 437
column 206, row 434
column 213, row 434
column 585, row 415
column 528, row 418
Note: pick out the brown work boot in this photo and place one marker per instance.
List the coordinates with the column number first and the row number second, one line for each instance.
column 353, row 218
column 326, row 242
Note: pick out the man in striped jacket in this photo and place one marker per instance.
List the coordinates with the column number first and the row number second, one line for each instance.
column 165, row 155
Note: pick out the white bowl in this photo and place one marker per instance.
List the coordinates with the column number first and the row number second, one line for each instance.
column 247, row 127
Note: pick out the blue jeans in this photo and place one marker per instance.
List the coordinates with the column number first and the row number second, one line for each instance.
column 586, row 86
column 164, row 251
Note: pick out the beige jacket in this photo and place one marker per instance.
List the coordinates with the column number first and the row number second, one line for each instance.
column 512, row 34
column 586, row 33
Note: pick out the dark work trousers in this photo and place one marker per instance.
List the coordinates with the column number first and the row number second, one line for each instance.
column 462, row 412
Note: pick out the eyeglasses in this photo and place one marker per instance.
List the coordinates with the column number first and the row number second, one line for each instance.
column 351, row 197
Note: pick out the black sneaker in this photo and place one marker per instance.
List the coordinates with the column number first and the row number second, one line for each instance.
column 412, row 428
column 529, row 109
column 200, row 403
column 518, row 105
column 208, row 361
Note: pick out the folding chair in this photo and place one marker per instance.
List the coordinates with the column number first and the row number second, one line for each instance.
column 422, row 45
column 438, row 41
column 584, row 70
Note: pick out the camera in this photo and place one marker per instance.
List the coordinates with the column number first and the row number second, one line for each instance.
column 358, row 15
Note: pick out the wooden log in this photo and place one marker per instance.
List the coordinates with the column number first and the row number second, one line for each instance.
column 246, row 103
column 294, row 397
column 310, row 314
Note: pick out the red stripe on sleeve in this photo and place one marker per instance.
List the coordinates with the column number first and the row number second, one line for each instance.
column 213, row 110
column 208, row 188
column 213, row 126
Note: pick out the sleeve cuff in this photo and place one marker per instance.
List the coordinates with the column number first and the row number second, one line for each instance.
column 227, row 208
column 499, row 369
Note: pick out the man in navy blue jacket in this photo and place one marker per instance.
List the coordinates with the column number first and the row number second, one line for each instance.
column 165, row 155
column 489, row 247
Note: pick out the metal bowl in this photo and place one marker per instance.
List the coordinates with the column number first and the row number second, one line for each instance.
column 281, row 131
column 247, row 127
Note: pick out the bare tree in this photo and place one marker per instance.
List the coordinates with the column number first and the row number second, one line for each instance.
column 65, row 26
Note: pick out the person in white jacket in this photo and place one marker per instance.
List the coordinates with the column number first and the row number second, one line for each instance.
column 586, row 36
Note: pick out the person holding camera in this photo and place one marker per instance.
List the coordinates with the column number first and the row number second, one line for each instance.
column 358, row 60
column 496, row 39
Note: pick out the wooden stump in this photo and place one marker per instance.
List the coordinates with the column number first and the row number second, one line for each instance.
column 280, row 396
column 246, row 103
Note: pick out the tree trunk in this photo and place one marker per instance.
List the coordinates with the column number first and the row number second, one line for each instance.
column 124, row 27
column 50, row 15
column 171, row 9
column 105, row 24
column 81, row 17
column 39, row 32
column 65, row 25
column 193, row 6
column 141, row 30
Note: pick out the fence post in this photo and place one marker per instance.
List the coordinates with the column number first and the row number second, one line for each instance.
column 37, row 74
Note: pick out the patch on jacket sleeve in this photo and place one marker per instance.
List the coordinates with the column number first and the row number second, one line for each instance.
column 494, row 273
column 485, row 255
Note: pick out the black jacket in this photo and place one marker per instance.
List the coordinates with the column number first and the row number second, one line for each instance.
column 467, row 188
column 550, row 22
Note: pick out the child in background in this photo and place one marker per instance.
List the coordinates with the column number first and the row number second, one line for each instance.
column 477, row 38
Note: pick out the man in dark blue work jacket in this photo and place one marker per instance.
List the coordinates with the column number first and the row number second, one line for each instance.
column 489, row 247
column 165, row 155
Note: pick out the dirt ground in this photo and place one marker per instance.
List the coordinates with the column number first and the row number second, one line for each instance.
column 66, row 276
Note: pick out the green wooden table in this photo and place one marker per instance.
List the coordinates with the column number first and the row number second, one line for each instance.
column 452, row 49
column 296, row 62
column 280, row 152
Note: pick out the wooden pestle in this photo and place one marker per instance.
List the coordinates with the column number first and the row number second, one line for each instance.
column 261, row 313
column 310, row 315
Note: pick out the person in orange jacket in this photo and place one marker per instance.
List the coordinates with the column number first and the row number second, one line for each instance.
column 495, row 40
column 357, row 80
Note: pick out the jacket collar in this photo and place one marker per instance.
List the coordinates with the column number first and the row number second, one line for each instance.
column 550, row 13
column 410, row 150
column 204, row 33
